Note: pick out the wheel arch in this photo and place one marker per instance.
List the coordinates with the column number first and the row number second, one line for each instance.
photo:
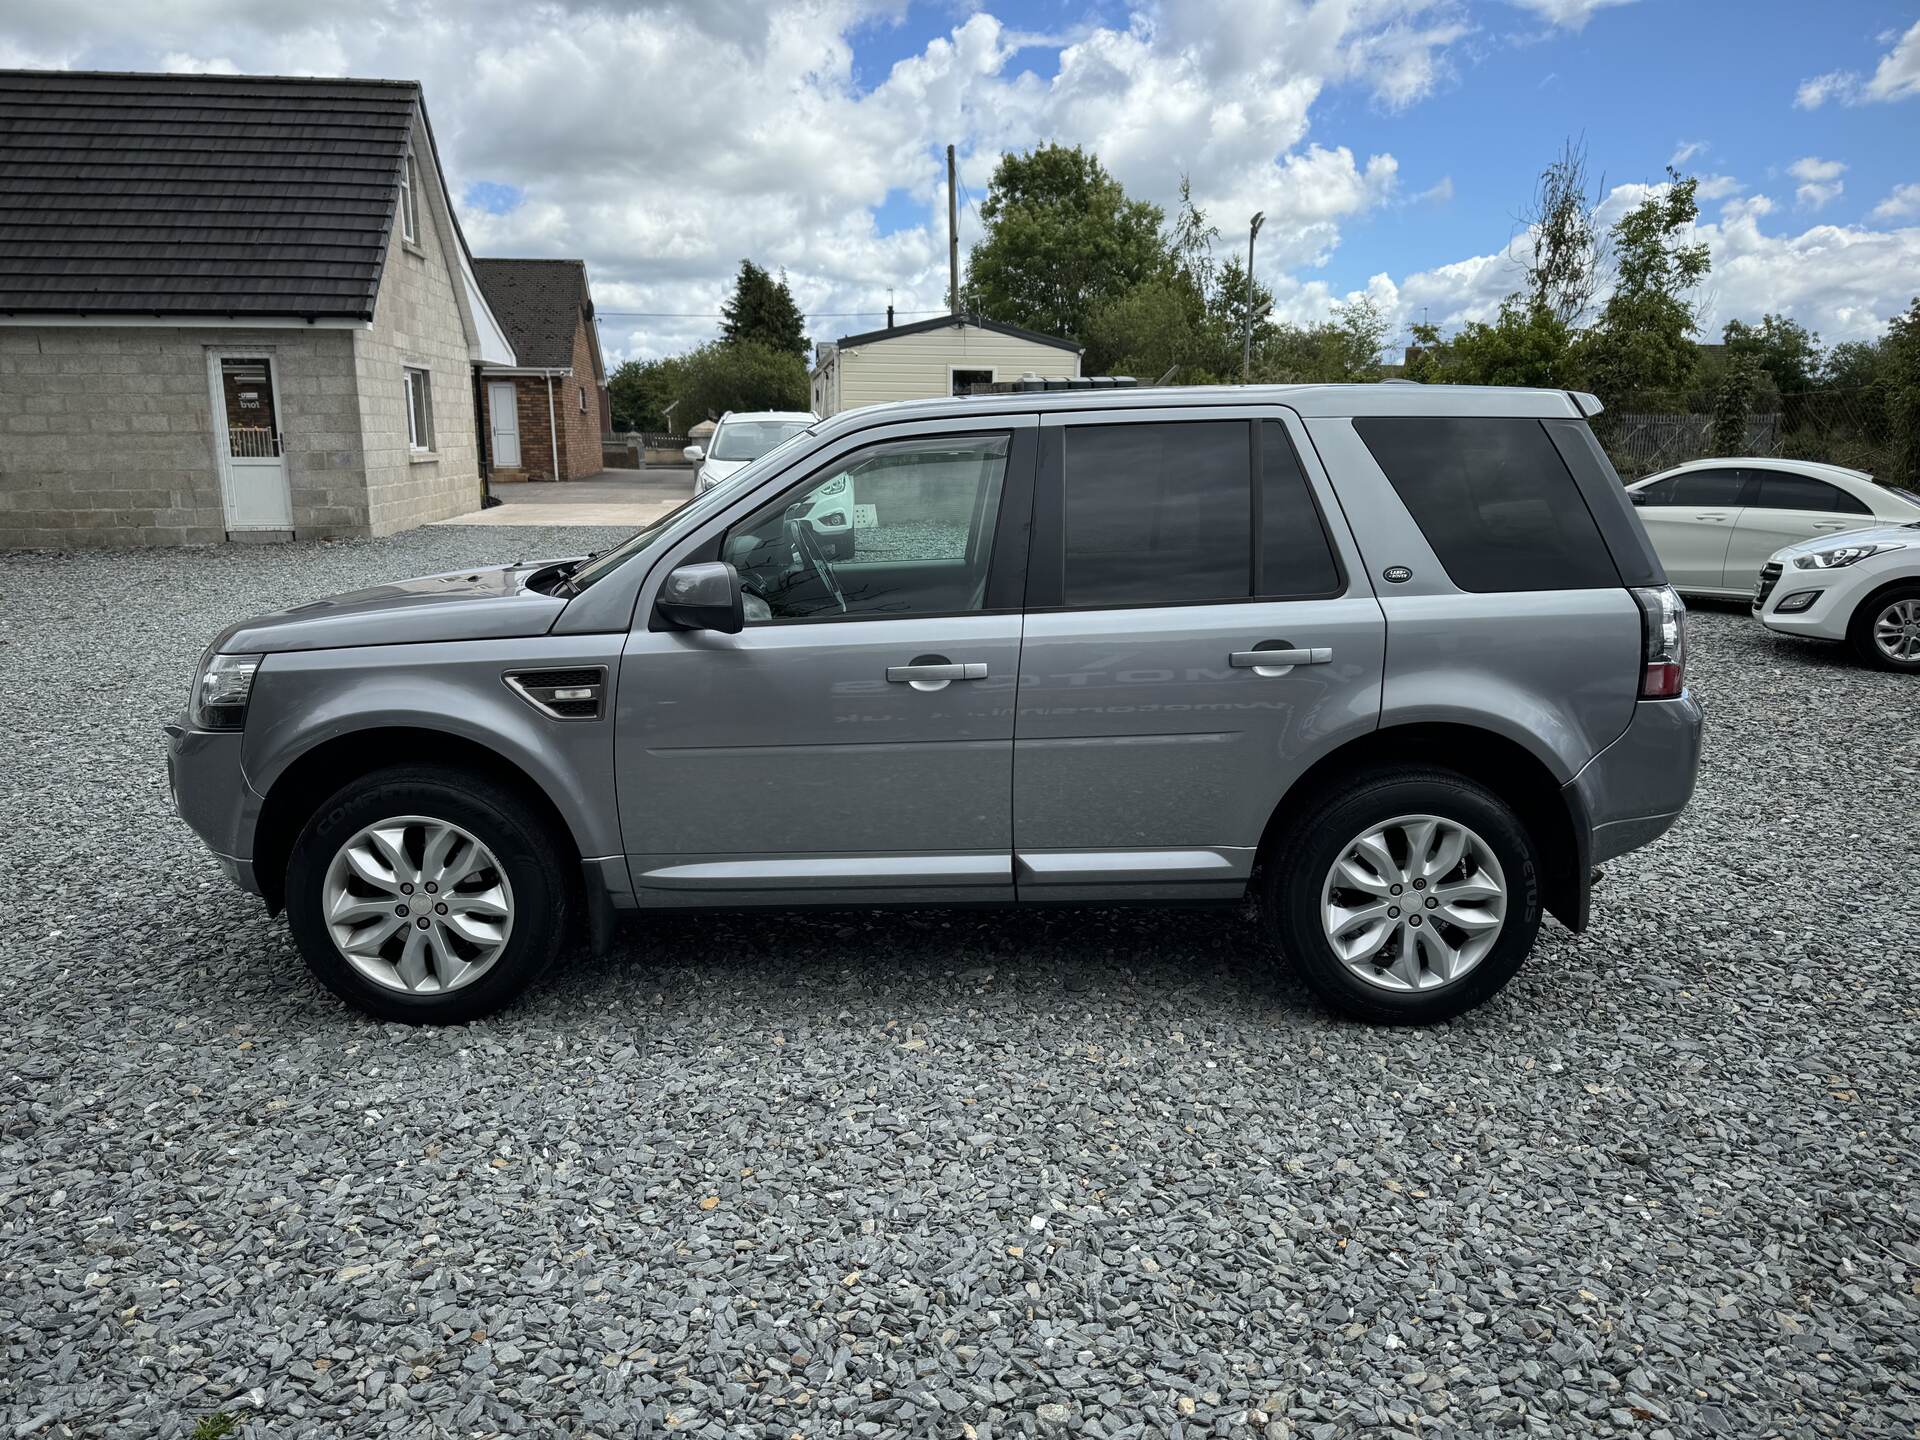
column 1552, row 812
column 309, row 779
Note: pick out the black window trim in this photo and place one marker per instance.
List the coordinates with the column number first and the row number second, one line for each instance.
column 1047, row 555
column 1006, row 567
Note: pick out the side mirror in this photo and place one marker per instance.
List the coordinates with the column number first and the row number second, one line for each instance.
column 705, row 596
column 694, row 454
column 1637, row 497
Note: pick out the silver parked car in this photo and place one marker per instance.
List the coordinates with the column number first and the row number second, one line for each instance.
column 1398, row 660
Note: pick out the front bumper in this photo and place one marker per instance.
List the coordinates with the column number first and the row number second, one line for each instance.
column 1839, row 593
column 1634, row 790
column 211, row 793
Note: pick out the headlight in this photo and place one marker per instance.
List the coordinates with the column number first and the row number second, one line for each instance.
column 220, row 694
column 833, row 486
column 1842, row 555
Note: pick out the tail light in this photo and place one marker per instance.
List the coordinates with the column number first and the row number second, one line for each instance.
column 1663, row 642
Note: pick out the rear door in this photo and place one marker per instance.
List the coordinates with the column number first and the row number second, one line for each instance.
column 1786, row 509
column 1172, row 551
column 1691, row 519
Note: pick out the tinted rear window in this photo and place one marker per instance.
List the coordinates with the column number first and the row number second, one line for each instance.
column 1296, row 559
column 1157, row 514
column 1494, row 500
column 1781, row 491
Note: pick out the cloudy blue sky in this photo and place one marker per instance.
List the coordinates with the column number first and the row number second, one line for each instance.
column 1390, row 142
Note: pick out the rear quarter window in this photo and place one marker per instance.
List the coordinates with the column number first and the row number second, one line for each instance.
column 1495, row 501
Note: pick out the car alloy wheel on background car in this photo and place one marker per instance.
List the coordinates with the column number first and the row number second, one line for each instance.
column 1407, row 895
column 429, row 894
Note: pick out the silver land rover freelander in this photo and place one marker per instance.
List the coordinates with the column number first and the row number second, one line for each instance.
column 1398, row 660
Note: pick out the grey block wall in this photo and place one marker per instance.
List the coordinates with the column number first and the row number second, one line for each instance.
column 106, row 433
column 417, row 321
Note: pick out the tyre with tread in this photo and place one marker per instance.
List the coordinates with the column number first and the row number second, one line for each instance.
column 1406, row 895
column 428, row 894
column 1885, row 607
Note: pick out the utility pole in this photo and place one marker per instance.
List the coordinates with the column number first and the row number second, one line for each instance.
column 953, row 238
column 1246, row 343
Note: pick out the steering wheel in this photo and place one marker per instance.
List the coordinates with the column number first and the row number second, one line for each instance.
column 808, row 544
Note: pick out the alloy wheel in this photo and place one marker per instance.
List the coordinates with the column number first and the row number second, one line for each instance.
column 417, row 905
column 1413, row 903
column 1896, row 631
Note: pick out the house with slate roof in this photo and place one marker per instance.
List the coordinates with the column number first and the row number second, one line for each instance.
column 544, row 417
column 231, row 307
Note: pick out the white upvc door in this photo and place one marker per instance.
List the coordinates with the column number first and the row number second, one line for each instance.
column 247, row 438
column 504, row 412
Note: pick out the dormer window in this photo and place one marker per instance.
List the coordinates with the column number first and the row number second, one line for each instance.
column 409, row 205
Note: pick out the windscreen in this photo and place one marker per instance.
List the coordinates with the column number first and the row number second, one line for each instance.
column 750, row 439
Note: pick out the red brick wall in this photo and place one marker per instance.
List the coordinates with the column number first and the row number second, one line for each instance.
column 579, row 424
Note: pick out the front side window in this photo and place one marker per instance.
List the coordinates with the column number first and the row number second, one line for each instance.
column 409, row 204
column 419, row 396
column 904, row 528
column 1781, row 491
column 1494, row 499
column 1660, row 492
column 1711, row 489
column 750, row 439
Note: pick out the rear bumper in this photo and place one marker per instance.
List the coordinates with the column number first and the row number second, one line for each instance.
column 1633, row 791
column 211, row 793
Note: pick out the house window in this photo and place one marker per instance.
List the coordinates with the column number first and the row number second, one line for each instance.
column 419, row 410
column 583, row 399
column 409, row 206
column 965, row 380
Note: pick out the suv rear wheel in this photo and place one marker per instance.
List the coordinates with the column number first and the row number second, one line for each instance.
column 427, row 895
column 1408, row 896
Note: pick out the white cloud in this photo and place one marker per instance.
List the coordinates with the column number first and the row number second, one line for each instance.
column 1820, row 181
column 1902, row 204
column 1571, row 14
column 1685, row 151
column 1438, row 193
column 1896, row 77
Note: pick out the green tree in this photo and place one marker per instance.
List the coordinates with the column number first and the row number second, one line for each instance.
column 761, row 309
column 1785, row 350
column 639, row 392
column 1062, row 240
column 1733, row 404
column 746, row 375
column 1901, row 380
column 1642, row 348
column 1566, row 264
column 1527, row 344
column 1342, row 348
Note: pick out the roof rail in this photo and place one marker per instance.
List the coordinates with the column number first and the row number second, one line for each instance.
column 1027, row 384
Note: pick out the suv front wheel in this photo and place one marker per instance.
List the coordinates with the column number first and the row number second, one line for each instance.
column 427, row 895
column 1408, row 896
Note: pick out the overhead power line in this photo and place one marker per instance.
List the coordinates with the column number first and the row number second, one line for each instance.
column 716, row 315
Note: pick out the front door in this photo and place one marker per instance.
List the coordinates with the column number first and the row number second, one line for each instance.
column 1198, row 631
column 253, row 463
column 503, row 411
column 857, row 735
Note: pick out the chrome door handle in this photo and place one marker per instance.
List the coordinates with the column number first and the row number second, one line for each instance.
column 910, row 674
column 1274, row 659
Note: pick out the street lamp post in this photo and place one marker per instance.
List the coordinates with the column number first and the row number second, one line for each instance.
column 1246, row 343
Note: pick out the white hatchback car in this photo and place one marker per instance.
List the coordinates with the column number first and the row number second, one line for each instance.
column 1862, row 587
column 1715, row 522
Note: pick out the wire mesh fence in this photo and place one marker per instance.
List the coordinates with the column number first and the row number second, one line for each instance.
column 1853, row 427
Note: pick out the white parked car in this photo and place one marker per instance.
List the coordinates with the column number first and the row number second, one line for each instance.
column 1862, row 587
column 1715, row 522
column 744, row 436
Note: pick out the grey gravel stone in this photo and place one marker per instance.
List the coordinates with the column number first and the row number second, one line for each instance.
column 1664, row 1184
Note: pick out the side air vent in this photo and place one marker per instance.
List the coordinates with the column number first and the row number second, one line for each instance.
column 564, row 694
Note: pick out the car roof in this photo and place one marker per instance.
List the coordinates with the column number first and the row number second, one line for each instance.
column 1818, row 469
column 806, row 415
column 1402, row 398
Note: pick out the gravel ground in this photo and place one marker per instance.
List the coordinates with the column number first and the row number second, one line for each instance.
column 954, row 1174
